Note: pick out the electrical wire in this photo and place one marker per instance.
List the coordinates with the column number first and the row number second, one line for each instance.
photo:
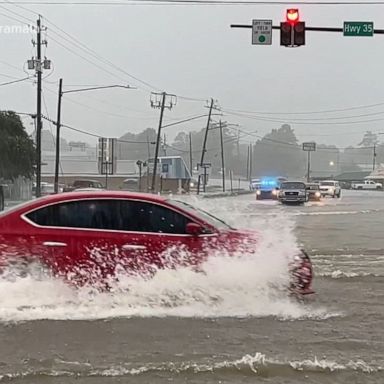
column 298, row 122
column 198, row 2
column 15, row 81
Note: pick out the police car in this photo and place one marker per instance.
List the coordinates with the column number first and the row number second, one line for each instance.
column 269, row 188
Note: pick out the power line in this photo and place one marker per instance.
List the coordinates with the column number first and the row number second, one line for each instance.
column 16, row 81
column 308, row 112
column 298, row 122
column 197, row 2
column 97, row 56
column 17, row 14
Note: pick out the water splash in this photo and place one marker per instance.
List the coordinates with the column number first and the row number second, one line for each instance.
column 240, row 286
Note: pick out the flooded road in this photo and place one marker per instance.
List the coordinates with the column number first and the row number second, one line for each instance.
column 226, row 325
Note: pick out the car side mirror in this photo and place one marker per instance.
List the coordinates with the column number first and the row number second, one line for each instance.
column 277, row 188
column 194, row 229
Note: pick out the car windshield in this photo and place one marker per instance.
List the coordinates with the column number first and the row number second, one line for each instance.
column 328, row 183
column 292, row 186
column 209, row 218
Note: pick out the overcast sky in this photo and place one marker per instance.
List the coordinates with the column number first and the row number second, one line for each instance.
column 191, row 51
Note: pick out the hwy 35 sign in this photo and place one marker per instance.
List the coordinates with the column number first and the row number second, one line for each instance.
column 358, row 28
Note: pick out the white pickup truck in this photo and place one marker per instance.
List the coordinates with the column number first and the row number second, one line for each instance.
column 367, row 184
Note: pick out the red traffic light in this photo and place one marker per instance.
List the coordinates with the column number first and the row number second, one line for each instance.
column 292, row 16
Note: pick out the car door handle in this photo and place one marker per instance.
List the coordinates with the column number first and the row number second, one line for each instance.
column 133, row 247
column 54, row 244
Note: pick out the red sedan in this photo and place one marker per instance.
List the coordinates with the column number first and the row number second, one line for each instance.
column 89, row 237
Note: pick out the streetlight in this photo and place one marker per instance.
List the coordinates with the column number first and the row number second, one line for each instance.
column 331, row 163
column 58, row 122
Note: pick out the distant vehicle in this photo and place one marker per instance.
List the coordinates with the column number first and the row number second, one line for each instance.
column 293, row 192
column 91, row 237
column 83, row 183
column 269, row 188
column 131, row 184
column 254, row 184
column 367, row 184
column 313, row 191
column 47, row 188
column 330, row 188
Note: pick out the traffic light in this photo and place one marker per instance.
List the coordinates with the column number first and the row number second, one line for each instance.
column 292, row 31
column 285, row 34
column 299, row 33
column 292, row 16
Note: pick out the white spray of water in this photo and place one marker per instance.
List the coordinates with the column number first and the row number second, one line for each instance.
column 244, row 285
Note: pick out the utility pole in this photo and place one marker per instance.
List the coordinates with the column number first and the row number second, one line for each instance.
column 159, row 103
column 222, row 155
column 165, row 145
column 247, row 174
column 250, row 161
column 148, row 148
column 58, row 126
column 190, row 154
column 204, row 145
column 37, row 65
column 39, row 123
column 374, row 157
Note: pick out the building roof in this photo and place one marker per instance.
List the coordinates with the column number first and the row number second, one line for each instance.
column 351, row 176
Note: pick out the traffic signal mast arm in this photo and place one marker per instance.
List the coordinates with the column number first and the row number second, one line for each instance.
column 316, row 29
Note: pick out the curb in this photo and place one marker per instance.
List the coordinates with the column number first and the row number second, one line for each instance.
column 227, row 194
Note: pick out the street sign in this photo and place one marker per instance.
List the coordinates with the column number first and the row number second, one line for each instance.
column 261, row 32
column 309, row 147
column 358, row 28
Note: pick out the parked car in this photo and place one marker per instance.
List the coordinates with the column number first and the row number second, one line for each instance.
column 330, row 188
column 131, row 184
column 293, row 192
column 367, row 184
column 83, row 183
column 313, row 191
column 254, row 184
column 89, row 237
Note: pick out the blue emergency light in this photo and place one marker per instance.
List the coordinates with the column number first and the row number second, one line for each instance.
column 268, row 183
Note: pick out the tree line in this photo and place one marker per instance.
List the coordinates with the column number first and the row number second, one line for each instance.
column 276, row 153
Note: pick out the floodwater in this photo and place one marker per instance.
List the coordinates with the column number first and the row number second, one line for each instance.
column 224, row 326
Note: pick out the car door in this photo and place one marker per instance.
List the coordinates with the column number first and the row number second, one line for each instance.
column 50, row 240
column 158, row 237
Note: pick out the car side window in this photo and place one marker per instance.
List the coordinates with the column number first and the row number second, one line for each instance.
column 141, row 216
column 120, row 215
column 95, row 214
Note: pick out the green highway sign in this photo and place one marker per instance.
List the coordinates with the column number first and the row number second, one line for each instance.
column 358, row 28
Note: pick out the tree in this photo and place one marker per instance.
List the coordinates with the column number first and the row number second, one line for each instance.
column 279, row 154
column 369, row 139
column 17, row 151
column 139, row 146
